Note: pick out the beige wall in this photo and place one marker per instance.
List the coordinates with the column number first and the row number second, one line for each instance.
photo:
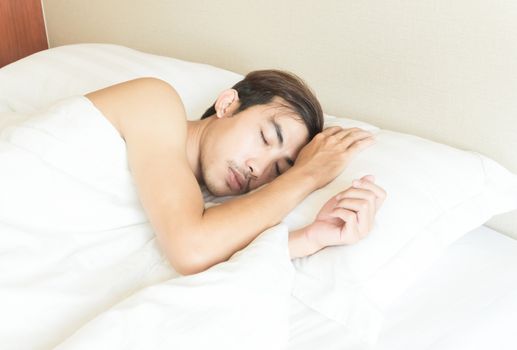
column 441, row 69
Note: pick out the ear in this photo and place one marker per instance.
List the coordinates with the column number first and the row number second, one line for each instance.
column 226, row 103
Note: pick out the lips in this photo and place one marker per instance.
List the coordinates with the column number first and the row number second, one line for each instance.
column 235, row 180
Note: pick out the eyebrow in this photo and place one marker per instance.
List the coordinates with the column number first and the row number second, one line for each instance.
column 280, row 137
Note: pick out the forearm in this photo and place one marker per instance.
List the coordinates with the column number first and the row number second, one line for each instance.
column 224, row 229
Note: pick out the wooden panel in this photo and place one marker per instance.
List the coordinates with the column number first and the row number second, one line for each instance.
column 22, row 29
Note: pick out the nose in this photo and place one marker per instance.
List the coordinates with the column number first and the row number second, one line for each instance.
column 261, row 165
column 258, row 166
column 255, row 168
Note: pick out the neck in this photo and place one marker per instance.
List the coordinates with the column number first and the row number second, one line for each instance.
column 196, row 130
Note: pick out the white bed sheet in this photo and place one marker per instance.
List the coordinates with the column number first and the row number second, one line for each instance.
column 466, row 300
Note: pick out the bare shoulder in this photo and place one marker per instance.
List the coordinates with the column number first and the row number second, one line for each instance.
column 136, row 106
column 150, row 116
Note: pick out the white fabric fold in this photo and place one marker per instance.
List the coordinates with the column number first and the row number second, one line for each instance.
column 75, row 242
column 239, row 304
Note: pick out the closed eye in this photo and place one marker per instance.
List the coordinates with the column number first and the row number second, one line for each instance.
column 277, row 168
column 263, row 137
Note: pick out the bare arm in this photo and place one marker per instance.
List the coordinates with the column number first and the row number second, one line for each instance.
column 150, row 117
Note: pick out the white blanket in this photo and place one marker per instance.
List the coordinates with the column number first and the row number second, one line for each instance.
column 79, row 263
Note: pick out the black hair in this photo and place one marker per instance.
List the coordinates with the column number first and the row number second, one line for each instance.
column 261, row 86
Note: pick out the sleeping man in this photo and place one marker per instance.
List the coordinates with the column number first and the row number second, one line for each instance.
column 267, row 129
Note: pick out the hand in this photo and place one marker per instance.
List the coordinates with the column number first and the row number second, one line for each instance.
column 348, row 216
column 330, row 151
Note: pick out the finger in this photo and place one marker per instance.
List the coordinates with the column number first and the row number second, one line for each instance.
column 370, row 178
column 331, row 130
column 361, row 193
column 349, row 233
column 365, row 210
column 346, row 215
column 352, row 135
column 345, row 136
column 379, row 192
column 356, row 192
column 359, row 144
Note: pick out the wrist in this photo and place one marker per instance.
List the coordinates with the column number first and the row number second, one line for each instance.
column 300, row 243
column 308, row 179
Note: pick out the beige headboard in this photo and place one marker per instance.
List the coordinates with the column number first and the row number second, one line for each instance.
column 440, row 69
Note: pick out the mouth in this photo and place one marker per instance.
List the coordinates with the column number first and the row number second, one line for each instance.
column 235, row 180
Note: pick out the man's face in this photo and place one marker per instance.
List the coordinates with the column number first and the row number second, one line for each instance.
column 242, row 152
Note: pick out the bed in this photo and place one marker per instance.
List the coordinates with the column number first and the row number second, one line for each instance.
column 99, row 280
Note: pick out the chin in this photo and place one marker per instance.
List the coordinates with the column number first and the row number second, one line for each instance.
column 218, row 190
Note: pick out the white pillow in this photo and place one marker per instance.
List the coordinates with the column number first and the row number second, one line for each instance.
column 36, row 81
column 436, row 194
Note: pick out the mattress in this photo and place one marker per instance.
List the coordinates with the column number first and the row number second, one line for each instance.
column 466, row 300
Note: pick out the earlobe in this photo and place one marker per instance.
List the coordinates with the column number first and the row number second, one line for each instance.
column 224, row 101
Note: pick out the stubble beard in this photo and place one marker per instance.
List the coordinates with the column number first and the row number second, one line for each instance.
column 210, row 181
